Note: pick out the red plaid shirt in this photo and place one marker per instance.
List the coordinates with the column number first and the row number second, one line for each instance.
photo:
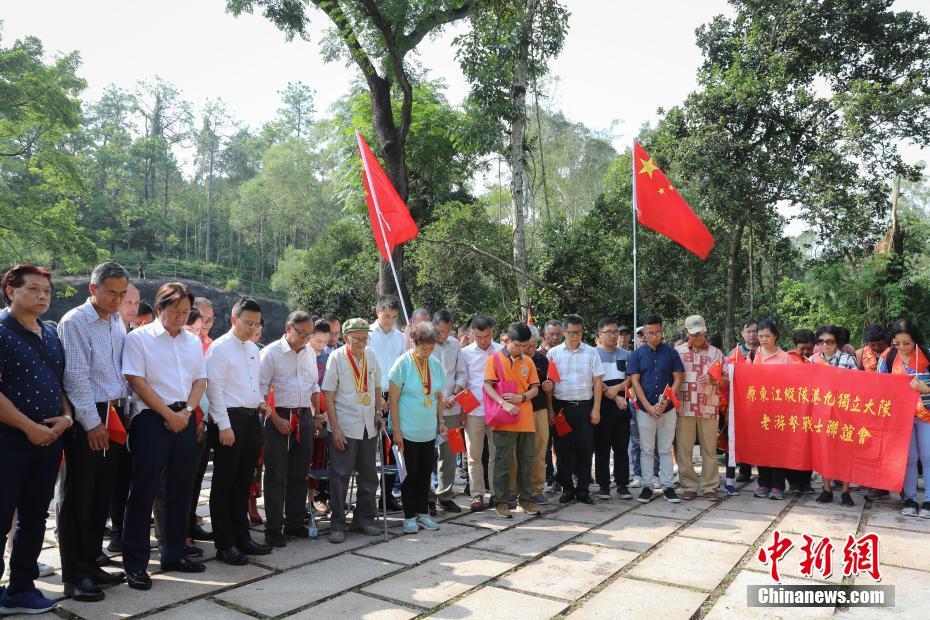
column 696, row 400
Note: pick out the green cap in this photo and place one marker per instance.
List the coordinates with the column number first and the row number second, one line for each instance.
column 355, row 325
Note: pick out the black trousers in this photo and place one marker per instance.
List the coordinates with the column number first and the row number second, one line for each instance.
column 414, row 490
column 88, row 489
column 203, row 459
column 233, row 468
column 29, row 474
column 287, row 462
column 157, row 451
column 613, row 433
column 123, row 476
column 574, row 450
column 772, row 477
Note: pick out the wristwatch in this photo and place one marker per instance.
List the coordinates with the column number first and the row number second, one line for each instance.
column 70, row 420
column 189, row 409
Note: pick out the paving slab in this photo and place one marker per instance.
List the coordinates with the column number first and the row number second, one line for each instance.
column 631, row 598
column 489, row 519
column 632, row 531
column 203, row 609
column 729, row 526
column 903, row 548
column 299, row 552
column 414, row 548
column 733, row 602
column 889, row 515
column 441, row 579
column 745, row 502
column 683, row 511
column 910, row 595
column 690, row 562
column 307, row 584
column 531, row 539
column 596, row 513
column 790, row 564
column 802, row 519
column 569, row 572
column 352, row 605
column 493, row 602
column 167, row 589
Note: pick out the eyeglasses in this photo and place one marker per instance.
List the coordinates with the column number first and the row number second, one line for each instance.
column 207, row 319
column 251, row 324
column 301, row 332
column 825, row 341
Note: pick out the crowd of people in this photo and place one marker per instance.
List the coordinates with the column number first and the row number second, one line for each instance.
column 117, row 411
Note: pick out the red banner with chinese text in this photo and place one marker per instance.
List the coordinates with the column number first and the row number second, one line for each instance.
column 846, row 424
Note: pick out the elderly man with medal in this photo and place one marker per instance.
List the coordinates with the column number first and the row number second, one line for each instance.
column 353, row 398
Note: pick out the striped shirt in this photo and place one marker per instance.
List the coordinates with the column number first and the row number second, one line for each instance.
column 577, row 369
column 449, row 354
column 93, row 361
column 294, row 374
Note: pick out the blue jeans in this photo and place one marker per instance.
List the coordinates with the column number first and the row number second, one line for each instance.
column 635, row 454
column 920, row 449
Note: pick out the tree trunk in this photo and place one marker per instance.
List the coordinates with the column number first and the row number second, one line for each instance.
column 736, row 241
column 209, row 206
column 517, row 127
column 164, row 212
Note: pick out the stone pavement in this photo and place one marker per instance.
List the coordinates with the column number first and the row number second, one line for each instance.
column 611, row 559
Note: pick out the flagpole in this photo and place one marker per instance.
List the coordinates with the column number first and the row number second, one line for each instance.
column 106, row 425
column 387, row 247
column 635, row 280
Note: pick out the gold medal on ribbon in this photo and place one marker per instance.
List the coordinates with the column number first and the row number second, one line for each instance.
column 425, row 379
column 366, row 400
column 427, row 402
column 360, row 376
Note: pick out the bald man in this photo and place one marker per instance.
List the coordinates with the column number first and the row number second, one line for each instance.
column 129, row 309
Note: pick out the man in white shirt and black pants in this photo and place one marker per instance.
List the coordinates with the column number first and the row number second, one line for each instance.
column 163, row 363
column 289, row 365
column 235, row 431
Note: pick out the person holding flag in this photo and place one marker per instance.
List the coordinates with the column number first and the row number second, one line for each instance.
column 799, row 481
column 656, row 372
column 448, row 352
column 744, row 352
column 289, row 365
column 697, row 416
column 352, row 387
column 92, row 336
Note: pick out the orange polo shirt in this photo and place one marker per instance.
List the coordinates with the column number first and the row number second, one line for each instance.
column 523, row 371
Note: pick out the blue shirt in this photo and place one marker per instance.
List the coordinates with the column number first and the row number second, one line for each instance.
column 655, row 368
column 25, row 379
column 417, row 422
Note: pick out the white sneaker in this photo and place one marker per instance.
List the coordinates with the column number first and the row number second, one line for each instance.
column 656, row 485
column 410, row 526
column 549, row 488
column 45, row 570
column 426, row 522
column 636, row 482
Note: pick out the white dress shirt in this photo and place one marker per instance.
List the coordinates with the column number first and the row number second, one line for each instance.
column 293, row 374
column 355, row 418
column 170, row 365
column 233, row 370
column 476, row 359
column 577, row 369
column 387, row 347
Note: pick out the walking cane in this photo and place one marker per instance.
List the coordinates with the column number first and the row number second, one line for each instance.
column 383, row 459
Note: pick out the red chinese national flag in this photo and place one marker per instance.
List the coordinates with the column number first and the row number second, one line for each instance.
column 669, row 394
column 553, row 373
column 391, row 222
column 715, row 370
column 660, row 207
column 115, row 427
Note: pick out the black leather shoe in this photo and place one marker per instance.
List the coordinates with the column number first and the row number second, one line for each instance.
column 103, row 559
column 584, row 499
column 254, row 548
column 198, row 533
column 566, row 497
column 449, row 505
column 297, row 531
column 394, row 505
column 276, row 539
column 139, row 580
column 84, row 590
column 232, row 556
column 431, row 509
column 184, row 565
column 102, row 577
column 115, row 545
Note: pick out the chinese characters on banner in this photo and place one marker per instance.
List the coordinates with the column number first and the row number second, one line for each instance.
column 845, row 424
column 860, row 556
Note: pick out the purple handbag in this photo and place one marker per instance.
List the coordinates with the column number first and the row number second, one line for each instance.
column 494, row 414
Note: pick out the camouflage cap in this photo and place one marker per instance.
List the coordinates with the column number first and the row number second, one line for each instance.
column 355, row 325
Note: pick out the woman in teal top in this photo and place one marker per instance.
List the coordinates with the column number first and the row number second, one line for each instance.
column 417, row 381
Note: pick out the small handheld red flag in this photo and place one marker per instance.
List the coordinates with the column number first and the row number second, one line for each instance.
column 466, row 401
column 115, row 427
column 660, row 207
column 553, row 373
column 456, row 441
column 631, row 398
column 391, row 222
column 670, row 395
column 295, row 426
column 562, row 427
column 736, row 357
column 715, row 370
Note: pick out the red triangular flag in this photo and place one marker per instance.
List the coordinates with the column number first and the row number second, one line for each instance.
column 390, row 217
column 295, row 426
column 660, row 207
column 736, row 356
column 669, row 394
column 529, row 316
column 715, row 370
column 553, row 373
column 115, row 427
